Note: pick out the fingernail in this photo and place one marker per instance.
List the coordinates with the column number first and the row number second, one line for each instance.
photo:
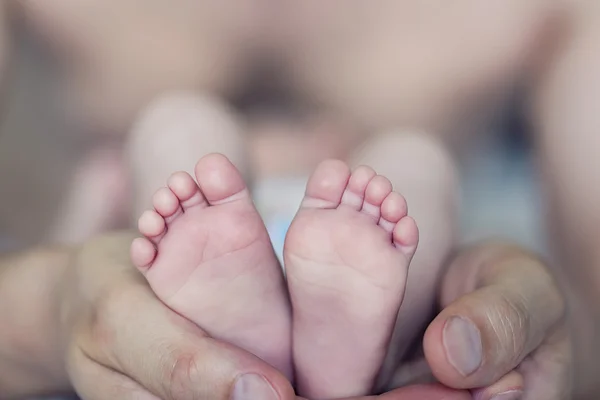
column 510, row 395
column 462, row 342
column 253, row 387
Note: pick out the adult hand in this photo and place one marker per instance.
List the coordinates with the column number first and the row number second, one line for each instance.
column 123, row 343
column 502, row 330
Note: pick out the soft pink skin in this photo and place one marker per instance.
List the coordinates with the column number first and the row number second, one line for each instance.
column 207, row 255
column 346, row 256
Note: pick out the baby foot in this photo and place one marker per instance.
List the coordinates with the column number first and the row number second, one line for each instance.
column 346, row 256
column 207, row 255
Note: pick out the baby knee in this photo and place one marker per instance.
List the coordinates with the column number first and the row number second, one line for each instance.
column 185, row 108
column 413, row 153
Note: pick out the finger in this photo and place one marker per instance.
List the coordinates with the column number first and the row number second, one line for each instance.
column 171, row 357
column 509, row 387
column 411, row 373
column 422, row 392
column 94, row 382
column 548, row 371
column 486, row 333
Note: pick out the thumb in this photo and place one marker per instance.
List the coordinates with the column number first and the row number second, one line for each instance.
column 501, row 305
column 170, row 357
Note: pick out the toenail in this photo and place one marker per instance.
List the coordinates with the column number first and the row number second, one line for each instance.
column 510, row 395
column 462, row 342
column 253, row 387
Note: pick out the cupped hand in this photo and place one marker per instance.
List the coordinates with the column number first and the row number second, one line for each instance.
column 122, row 343
column 502, row 330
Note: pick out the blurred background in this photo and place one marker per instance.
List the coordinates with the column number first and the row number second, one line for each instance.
column 102, row 100
column 308, row 80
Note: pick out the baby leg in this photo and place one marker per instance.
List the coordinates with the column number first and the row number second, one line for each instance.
column 207, row 255
column 346, row 255
column 424, row 172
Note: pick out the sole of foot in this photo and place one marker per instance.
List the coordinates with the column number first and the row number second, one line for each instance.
column 207, row 255
column 346, row 255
